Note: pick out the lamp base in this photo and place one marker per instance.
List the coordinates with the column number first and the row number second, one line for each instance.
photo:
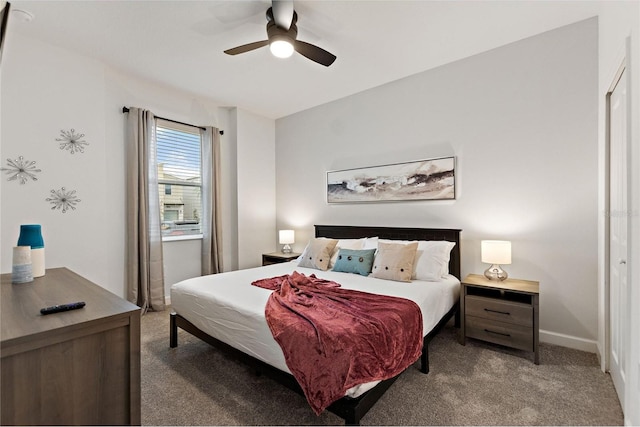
column 286, row 249
column 495, row 273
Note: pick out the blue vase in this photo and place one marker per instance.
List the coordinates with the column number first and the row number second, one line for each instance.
column 31, row 235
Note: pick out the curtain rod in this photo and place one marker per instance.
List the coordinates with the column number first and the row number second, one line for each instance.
column 126, row 110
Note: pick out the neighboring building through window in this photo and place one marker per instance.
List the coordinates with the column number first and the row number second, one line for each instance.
column 179, row 178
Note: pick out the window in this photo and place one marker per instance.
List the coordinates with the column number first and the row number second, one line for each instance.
column 179, row 178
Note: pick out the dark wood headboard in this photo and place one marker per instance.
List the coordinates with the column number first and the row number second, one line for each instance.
column 397, row 233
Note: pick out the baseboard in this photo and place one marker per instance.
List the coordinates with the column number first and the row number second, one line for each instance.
column 569, row 341
column 167, row 300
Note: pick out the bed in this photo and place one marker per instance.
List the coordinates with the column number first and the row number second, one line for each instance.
column 225, row 312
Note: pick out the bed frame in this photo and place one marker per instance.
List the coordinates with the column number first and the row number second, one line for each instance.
column 350, row 409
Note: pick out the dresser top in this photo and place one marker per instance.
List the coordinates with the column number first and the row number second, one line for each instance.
column 21, row 303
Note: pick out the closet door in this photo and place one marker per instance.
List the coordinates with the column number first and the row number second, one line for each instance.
column 619, row 296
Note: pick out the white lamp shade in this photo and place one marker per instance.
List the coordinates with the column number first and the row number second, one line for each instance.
column 286, row 237
column 496, row 252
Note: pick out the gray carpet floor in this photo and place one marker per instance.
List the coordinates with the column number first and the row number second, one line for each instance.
column 476, row 384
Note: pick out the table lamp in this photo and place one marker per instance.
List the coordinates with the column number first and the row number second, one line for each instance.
column 286, row 238
column 496, row 252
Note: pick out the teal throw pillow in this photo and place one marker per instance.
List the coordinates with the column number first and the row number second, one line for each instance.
column 355, row 261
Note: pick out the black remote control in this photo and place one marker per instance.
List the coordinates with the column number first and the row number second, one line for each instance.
column 62, row 307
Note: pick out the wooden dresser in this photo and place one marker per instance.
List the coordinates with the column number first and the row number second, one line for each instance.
column 79, row 367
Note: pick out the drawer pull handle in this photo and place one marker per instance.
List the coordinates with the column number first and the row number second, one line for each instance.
column 497, row 333
column 499, row 312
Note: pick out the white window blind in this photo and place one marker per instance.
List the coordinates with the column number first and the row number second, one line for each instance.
column 179, row 178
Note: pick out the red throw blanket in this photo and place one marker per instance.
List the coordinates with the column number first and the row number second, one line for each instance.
column 334, row 339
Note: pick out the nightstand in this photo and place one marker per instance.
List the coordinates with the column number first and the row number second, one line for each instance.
column 278, row 257
column 505, row 312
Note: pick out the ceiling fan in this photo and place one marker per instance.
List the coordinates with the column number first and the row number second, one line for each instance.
column 281, row 36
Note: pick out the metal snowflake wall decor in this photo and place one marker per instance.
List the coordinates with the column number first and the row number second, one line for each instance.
column 71, row 141
column 21, row 170
column 63, row 199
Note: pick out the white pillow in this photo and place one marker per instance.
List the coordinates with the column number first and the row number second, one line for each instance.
column 344, row 244
column 432, row 258
column 370, row 243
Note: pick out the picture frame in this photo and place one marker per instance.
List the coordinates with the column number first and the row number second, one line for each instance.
column 4, row 21
column 428, row 179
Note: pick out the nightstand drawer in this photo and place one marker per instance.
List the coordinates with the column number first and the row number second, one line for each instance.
column 500, row 310
column 508, row 334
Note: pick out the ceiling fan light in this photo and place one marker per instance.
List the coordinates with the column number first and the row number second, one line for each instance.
column 281, row 48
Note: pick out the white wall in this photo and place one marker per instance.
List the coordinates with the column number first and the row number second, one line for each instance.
column 619, row 37
column 522, row 123
column 46, row 89
column 256, row 188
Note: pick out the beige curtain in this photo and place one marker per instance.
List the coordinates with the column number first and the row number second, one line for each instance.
column 145, row 276
column 211, row 228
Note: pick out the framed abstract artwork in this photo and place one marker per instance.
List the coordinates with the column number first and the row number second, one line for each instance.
column 4, row 20
column 430, row 179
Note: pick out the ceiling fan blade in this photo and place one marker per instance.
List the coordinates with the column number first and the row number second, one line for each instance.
column 314, row 53
column 282, row 13
column 246, row 47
